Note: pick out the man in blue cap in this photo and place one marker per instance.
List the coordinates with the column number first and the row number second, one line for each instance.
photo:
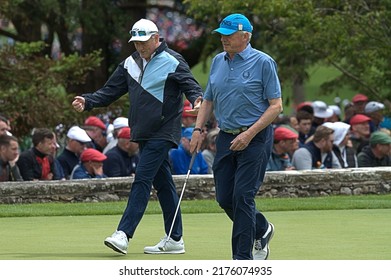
column 180, row 158
column 244, row 92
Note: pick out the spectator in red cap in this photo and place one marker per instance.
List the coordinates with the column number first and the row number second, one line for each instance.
column 96, row 130
column 122, row 160
column 285, row 143
column 359, row 102
column 90, row 166
column 359, row 131
column 188, row 119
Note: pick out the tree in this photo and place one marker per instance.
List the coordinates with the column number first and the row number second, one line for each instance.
column 33, row 87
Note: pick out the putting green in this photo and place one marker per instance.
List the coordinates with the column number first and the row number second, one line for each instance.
column 300, row 235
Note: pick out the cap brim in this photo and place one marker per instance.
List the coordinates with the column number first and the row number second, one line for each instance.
column 140, row 38
column 224, row 31
column 324, row 114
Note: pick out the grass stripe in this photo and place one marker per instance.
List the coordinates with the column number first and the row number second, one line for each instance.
column 198, row 206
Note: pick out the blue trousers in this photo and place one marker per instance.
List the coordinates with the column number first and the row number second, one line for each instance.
column 153, row 169
column 238, row 177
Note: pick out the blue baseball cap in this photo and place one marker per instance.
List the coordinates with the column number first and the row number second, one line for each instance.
column 232, row 23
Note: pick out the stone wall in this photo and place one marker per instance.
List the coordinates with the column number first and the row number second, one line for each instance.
column 310, row 183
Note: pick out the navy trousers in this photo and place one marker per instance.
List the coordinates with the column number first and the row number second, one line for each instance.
column 238, row 177
column 153, row 169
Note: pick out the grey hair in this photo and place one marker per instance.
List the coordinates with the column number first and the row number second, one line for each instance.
column 249, row 35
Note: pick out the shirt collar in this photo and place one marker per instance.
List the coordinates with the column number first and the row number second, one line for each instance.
column 243, row 54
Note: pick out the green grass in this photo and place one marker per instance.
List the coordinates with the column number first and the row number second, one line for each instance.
column 323, row 228
column 300, row 235
column 198, row 206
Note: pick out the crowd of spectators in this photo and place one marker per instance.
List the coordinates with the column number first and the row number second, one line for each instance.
column 330, row 136
column 315, row 136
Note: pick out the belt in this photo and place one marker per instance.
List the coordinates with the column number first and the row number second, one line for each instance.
column 236, row 131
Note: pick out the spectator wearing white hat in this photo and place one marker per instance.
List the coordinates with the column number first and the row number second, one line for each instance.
column 118, row 124
column 321, row 113
column 336, row 117
column 374, row 110
column 77, row 140
column 342, row 148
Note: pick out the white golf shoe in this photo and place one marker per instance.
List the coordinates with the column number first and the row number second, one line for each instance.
column 118, row 241
column 165, row 246
column 261, row 246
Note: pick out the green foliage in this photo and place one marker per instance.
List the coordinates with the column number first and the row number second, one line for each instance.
column 33, row 88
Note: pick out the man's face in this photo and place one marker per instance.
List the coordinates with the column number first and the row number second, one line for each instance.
column 46, row 146
column 290, row 145
column 384, row 149
column 147, row 48
column 327, row 144
column 77, row 146
column 361, row 129
column 3, row 128
column 234, row 43
column 305, row 126
column 10, row 152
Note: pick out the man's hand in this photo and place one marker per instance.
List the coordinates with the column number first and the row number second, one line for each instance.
column 196, row 142
column 79, row 103
column 196, row 108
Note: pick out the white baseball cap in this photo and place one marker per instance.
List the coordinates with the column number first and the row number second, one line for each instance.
column 143, row 30
column 373, row 106
column 336, row 110
column 321, row 110
column 120, row 122
column 78, row 134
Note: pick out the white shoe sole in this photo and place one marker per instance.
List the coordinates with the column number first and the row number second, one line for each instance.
column 115, row 248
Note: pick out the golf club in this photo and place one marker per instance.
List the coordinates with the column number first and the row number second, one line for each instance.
column 163, row 248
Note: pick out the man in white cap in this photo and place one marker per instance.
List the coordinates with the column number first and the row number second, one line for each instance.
column 156, row 78
column 118, row 124
column 374, row 110
column 321, row 113
column 77, row 140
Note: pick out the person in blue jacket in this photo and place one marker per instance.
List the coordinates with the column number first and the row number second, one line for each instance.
column 155, row 78
column 180, row 158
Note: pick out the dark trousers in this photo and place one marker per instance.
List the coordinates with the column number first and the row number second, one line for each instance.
column 238, row 177
column 153, row 169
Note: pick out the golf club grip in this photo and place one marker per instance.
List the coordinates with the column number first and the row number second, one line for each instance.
column 192, row 160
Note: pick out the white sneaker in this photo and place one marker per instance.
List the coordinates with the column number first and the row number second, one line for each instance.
column 118, row 241
column 165, row 246
column 261, row 246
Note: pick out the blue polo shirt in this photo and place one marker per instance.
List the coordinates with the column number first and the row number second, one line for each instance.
column 240, row 88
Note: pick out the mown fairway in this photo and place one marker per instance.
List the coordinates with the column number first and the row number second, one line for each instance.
column 357, row 234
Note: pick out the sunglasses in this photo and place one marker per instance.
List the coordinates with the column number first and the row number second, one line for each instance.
column 141, row 33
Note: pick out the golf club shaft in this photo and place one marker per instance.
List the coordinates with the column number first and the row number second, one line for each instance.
column 180, row 197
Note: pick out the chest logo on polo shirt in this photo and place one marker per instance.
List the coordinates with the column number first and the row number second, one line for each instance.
column 246, row 74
